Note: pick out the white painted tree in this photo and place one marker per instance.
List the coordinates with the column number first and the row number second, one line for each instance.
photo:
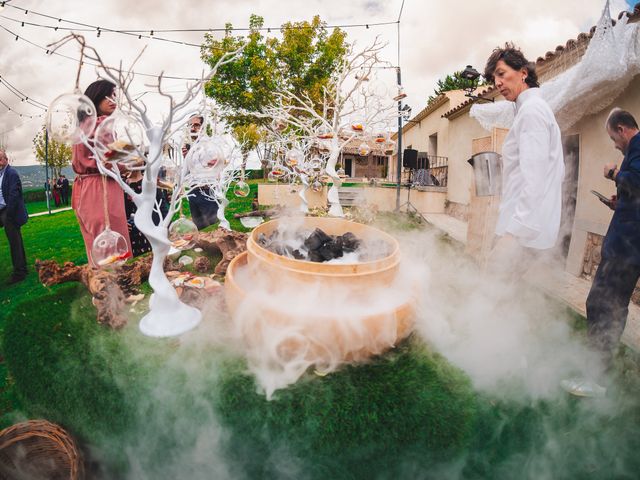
column 352, row 108
column 141, row 148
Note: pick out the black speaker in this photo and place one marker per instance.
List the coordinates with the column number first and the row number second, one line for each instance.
column 410, row 158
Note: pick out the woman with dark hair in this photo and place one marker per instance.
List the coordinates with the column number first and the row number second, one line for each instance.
column 87, row 198
column 533, row 164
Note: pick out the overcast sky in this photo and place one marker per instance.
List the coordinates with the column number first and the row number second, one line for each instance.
column 436, row 38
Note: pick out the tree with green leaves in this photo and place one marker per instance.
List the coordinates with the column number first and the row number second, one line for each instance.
column 59, row 154
column 301, row 62
column 454, row 81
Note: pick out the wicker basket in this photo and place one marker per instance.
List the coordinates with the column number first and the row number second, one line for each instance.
column 36, row 450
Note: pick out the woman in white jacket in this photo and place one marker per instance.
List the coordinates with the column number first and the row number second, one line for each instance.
column 533, row 164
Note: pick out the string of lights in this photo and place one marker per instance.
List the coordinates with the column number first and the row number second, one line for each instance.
column 152, row 31
column 98, row 31
column 16, row 112
column 21, row 95
column 49, row 52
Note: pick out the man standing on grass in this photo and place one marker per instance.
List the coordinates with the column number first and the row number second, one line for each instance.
column 13, row 215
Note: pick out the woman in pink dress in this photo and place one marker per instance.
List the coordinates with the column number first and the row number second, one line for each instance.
column 88, row 189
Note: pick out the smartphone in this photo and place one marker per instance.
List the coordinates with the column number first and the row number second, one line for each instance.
column 602, row 198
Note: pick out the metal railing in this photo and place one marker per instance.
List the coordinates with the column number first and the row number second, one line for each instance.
column 432, row 170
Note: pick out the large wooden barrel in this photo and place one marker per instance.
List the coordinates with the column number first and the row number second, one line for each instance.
column 357, row 327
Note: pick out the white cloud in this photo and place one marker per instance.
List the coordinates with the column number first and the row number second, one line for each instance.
column 436, row 38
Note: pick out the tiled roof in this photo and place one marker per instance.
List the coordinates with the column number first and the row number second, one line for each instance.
column 489, row 92
column 546, row 62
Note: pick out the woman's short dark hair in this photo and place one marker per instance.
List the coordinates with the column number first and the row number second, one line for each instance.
column 512, row 56
column 98, row 91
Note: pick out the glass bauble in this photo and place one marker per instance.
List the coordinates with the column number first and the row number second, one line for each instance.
column 316, row 186
column 109, row 249
column 206, row 158
column 340, row 172
column 122, row 138
column 183, row 234
column 278, row 172
column 294, row 157
column 315, row 164
column 364, row 149
column 70, row 117
column 241, row 189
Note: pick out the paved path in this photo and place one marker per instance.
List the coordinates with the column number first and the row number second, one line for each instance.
column 46, row 212
column 559, row 284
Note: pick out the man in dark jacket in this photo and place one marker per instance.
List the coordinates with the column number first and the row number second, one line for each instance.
column 64, row 191
column 13, row 215
column 619, row 269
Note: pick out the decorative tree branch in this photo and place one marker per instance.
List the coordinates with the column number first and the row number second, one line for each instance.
column 168, row 316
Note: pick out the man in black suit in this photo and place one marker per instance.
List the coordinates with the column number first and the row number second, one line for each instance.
column 13, row 215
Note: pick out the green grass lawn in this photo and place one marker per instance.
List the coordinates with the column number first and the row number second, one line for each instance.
column 166, row 409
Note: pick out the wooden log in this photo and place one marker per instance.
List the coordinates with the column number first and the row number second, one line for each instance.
column 108, row 297
column 110, row 289
column 272, row 212
column 225, row 242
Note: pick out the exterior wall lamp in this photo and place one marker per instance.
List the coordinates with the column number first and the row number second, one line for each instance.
column 472, row 75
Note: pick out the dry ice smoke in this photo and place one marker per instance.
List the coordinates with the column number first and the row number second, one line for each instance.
column 502, row 333
column 288, row 324
column 514, row 344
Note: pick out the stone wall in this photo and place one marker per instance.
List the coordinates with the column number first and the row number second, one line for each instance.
column 592, row 259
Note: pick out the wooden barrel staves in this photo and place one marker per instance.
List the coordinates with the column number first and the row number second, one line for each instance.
column 36, row 450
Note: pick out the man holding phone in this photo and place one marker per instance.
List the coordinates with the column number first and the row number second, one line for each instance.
column 619, row 269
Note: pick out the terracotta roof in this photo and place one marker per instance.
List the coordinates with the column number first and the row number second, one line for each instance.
column 488, row 92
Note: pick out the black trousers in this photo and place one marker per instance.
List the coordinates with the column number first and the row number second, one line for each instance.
column 608, row 303
column 18, row 257
column 204, row 212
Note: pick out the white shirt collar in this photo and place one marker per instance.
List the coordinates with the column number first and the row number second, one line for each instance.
column 526, row 95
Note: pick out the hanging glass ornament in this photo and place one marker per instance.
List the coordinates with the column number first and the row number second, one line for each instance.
column 271, row 177
column 316, row 185
column 109, row 249
column 364, row 149
column 316, row 164
column 241, row 189
column 278, row 172
column 340, row 172
column 70, row 117
column 294, row 157
column 122, row 139
column 183, row 234
column 206, row 159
